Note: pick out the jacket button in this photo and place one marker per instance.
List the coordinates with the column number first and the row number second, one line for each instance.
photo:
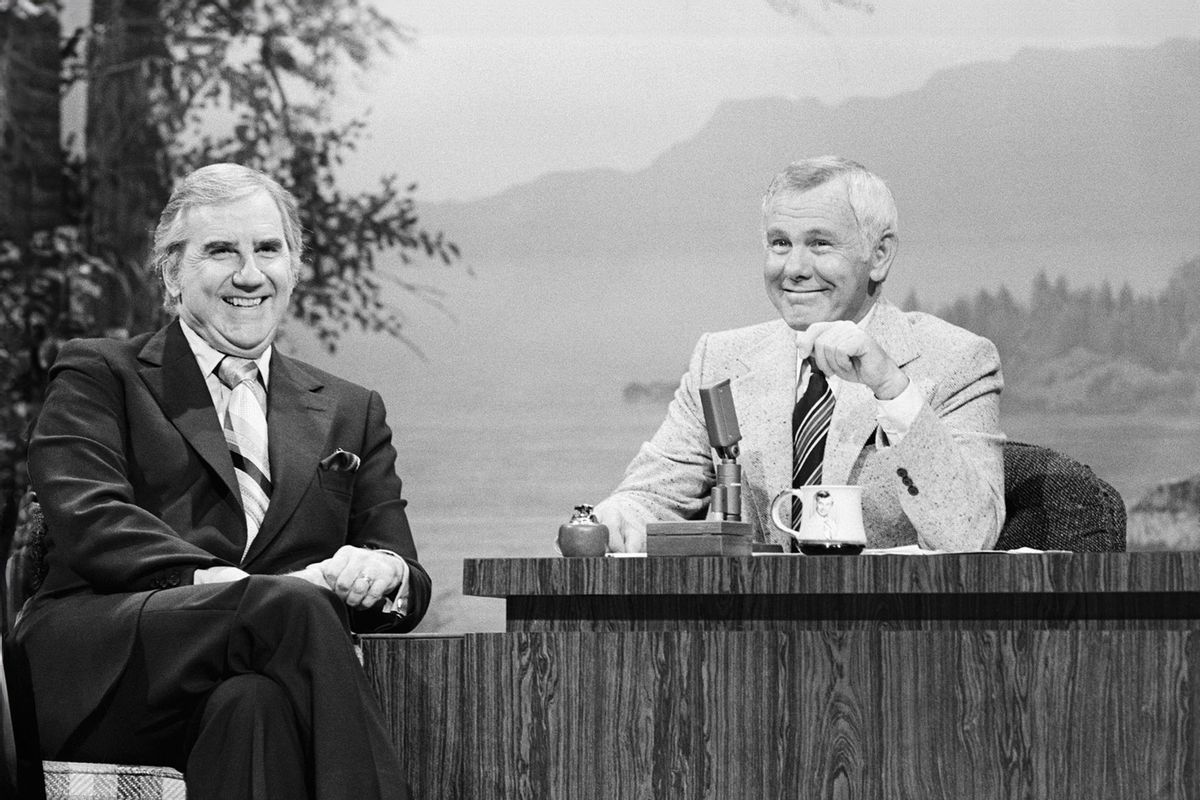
column 912, row 489
column 902, row 472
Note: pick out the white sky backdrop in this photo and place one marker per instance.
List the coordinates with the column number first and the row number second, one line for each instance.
column 497, row 93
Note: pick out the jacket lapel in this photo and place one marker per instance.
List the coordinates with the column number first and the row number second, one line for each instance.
column 854, row 421
column 167, row 361
column 299, row 418
column 764, row 396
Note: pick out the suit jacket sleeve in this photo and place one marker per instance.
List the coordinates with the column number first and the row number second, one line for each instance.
column 952, row 485
column 378, row 520
column 672, row 474
column 80, row 464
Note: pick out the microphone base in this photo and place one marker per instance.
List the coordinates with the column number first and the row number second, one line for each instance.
column 709, row 537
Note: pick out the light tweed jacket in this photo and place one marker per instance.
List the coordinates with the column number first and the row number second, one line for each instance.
column 941, row 486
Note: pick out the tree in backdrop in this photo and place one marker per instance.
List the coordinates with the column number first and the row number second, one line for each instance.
column 170, row 86
column 1090, row 350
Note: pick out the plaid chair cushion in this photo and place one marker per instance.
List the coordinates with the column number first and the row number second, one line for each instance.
column 71, row 780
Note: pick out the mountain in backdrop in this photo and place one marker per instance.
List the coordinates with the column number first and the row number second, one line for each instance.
column 1099, row 143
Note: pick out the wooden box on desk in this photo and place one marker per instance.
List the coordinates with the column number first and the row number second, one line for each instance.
column 710, row 537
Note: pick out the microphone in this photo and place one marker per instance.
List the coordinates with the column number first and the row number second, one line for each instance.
column 720, row 418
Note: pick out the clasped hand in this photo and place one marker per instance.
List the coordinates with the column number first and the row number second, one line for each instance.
column 843, row 349
column 359, row 576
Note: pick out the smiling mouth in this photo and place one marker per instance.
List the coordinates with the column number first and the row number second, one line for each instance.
column 245, row 302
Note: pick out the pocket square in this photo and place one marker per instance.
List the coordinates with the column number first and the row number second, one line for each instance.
column 341, row 461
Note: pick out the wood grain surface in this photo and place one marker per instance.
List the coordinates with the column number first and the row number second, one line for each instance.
column 624, row 715
column 418, row 679
column 970, row 676
column 954, row 573
column 858, row 714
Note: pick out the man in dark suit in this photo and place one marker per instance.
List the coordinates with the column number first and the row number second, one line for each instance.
column 220, row 518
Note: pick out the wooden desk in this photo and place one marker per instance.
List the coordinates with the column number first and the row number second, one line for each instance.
column 957, row 676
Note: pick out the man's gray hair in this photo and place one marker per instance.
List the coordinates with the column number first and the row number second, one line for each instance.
column 870, row 200
column 214, row 185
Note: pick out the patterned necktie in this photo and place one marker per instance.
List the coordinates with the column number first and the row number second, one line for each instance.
column 246, row 435
column 810, row 427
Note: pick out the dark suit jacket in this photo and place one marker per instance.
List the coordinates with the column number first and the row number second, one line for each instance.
column 131, row 467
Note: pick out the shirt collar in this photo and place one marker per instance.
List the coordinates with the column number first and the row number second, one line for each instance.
column 208, row 357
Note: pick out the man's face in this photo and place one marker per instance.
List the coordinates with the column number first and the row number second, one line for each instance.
column 235, row 274
column 817, row 269
column 824, row 506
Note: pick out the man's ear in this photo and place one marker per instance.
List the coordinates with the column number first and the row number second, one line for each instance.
column 882, row 256
column 170, row 283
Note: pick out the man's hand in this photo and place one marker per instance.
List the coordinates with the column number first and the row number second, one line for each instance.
column 361, row 577
column 843, row 349
column 624, row 535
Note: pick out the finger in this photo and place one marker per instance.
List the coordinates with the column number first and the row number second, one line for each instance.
column 616, row 531
column 843, row 366
column 821, row 358
column 807, row 338
column 837, row 348
column 312, row 574
column 635, row 538
column 344, row 583
column 384, row 585
column 374, row 594
column 360, row 587
column 377, row 576
column 333, row 567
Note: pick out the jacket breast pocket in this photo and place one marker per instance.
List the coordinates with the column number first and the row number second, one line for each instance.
column 336, row 482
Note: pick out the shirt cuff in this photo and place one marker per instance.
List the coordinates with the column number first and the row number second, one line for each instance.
column 218, row 575
column 398, row 603
column 896, row 416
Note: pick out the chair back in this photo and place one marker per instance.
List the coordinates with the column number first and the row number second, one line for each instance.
column 23, row 773
column 25, row 566
column 1055, row 503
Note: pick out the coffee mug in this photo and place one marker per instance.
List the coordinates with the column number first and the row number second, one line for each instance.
column 830, row 518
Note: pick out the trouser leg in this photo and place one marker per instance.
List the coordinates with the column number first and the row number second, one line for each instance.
column 248, row 728
column 192, row 639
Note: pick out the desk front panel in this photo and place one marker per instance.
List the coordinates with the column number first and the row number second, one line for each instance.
column 851, row 714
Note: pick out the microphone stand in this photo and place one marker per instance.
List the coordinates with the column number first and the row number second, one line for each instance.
column 724, row 532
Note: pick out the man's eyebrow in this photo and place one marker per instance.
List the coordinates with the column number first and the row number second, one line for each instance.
column 275, row 240
column 820, row 233
column 213, row 244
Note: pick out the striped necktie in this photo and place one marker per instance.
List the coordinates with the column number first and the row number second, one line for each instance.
column 810, row 427
column 246, row 435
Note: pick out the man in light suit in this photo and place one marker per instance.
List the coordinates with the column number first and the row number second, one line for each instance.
column 214, row 540
column 914, row 399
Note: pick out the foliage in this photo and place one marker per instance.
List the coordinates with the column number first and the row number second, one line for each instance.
column 50, row 291
column 254, row 82
column 1093, row 350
